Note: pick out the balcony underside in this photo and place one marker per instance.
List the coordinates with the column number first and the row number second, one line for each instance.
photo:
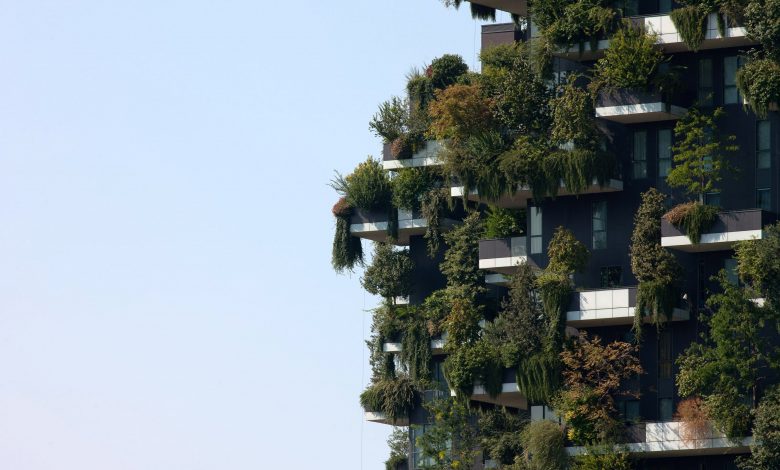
column 437, row 347
column 518, row 7
column 381, row 418
column 710, row 241
column 613, row 316
column 640, row 113
column 679, row 448
column 520, row 198
column 378, row 231
column 510, row 396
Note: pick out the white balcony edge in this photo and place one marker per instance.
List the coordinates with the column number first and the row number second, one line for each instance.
column 712, row 238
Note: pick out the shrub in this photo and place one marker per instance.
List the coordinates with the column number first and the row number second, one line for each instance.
column 406, row 145
column 572, row 117
column 431, row 206
column 420, row 91
column 390, row 272
column 347, row 250
column 694, row 218
column 544, row 446
column 500, row 432
column 445, row 70
column 765, row 452
column 460, row 111
column 450, row 439
column 391, row 119
column 503, row 223
column 603, row 458
column 759, row 265
column 691, row 24
column 410, row 185
column 393, row 397
column 367, row 187
column 630, row 61
column 480, row 362
column 567, row 254
column 759, row 82
column 695, row 420
column 398, row 442
column 461, row 261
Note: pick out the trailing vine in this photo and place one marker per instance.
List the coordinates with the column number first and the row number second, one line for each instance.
column 693, row 218
column 347, row 250
column 691, row 24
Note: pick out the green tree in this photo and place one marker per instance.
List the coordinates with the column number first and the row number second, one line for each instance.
column 700, row 153
column 758, row 265
column 390, row 272
column 398, row 442
column 765, row 451
column 544, row 446
column 450, row 441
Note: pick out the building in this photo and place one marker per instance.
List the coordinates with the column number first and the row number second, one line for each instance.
column 636, row 126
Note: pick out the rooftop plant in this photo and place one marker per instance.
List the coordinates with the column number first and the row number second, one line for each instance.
column 391, row 120
column 367, row 187
column 503, row 223
column 568, row 23
column 693, row 217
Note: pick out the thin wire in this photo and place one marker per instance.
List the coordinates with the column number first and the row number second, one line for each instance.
column 474, row 45
column 362, row 372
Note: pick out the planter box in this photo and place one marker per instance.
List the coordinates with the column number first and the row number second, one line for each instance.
column 374, row 225
column 607, row 307
column 502, row 255
column 427, row 156
column 729, row 228
column 636, row 106
column 520, row 198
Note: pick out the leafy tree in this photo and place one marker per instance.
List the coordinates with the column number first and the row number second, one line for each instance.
column 470, row 363
column 390, row 272
column 733, row 358
column 446, row 70
column 500, row 434
column 461, row 261
column 603, row 458
column 592, row 376
column 758, row 265
column 450, row 441
column 459, row 112
column 502, row 223
column 762, row 21
column 410, row 185
column 630, row 61
column 367, row 187
column 700, row 153
column 567, row 254
column 398, row 442
column 544, row 446
column 391, row 119
column 765, row 452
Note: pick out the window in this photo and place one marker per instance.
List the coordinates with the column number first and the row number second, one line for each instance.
column 705, row 82
column 418, row 460
column 712, row 199
column 664, row 152
column 630, row 8
column 599, row 225
column 611, row 276
column 763, row 199
column 730, row 66
column 763, row 144
column 665, row 354
column 629, row 409
column 664, row 6
column 665, row 409
column 536, row 230
column 730, row 266
column 639, row 154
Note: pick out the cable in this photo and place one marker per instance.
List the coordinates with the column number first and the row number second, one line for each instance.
column 362, row 372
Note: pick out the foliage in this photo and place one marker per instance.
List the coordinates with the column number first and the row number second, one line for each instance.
column 761, row 22
column 367, row 187
column 398, row 442
column 693, row 217
column 765, row 452
column 700, row 153
column 462, row 321
column 446, row 70
column 431, row 207
column 539, row 376
column 592, row 376
column 574, row 22
column 479, row 12
column 480, row 363
column 391, row 119
column 758, row 265
column 691, row 24
column 410, row 185
column 567, row 254
column 500, row 433
column 555, row 290
column 461, row 261
column 657, row 270
column 503, row 223
column 347, row 250
column 474, row 160
column 393, row 397
column 759, row 83
column 572, row 117
column 725, row 368
column 460, row 111
column 451, row 441
column 420, row 91
column 544, row 446
column 415, row 352
column 695, row 421
column 603, row 458
column 630, row 61
column 390, row 273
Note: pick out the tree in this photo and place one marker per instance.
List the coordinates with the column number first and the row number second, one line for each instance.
column 544, row 446
column 390, row 272
column 460, row 111
column 592, row 376
column 765, row 452
column 450, row 441
column 758, row 264
column 700, row 154
column 398, row 442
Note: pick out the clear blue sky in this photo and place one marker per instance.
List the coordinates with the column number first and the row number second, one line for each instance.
column 166, row 296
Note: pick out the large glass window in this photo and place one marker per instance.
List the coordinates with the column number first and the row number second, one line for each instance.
column 665, row 409
column 712, row 199
column 763, row 198
column 599, row 225
column 536, row 230
column 664, row 152
column 665, row 354
column 730, row 266
column 763, row 144
column 730, row 91
column 639, row 154
column 705, row 82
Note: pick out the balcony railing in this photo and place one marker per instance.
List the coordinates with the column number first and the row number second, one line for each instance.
column 729, row 228
column 427, row 156
column 635, row 106
column 520, row 198
column 606, row 307
column 502, row 255
column 669, row 439
column 667, row 37
column 374, row 225
column 510, row 393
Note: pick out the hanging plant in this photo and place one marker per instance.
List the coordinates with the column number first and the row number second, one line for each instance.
column 691, row 24
column 347, row 250
column 693, row 218
column 394, row 397
column 759, row 83
column 481, row 12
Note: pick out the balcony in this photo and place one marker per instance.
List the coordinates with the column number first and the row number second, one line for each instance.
column 381, row 418
column 428, row 156
column 729, row 227
column 518, row 7
column 499, row 34
column 520, row 198
column 374, row 225
column 633, row 107
column 437, row 346
column 665, row 439
column 510, row 393
column 667, row 38
column 608, row 307
column 502, row 255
